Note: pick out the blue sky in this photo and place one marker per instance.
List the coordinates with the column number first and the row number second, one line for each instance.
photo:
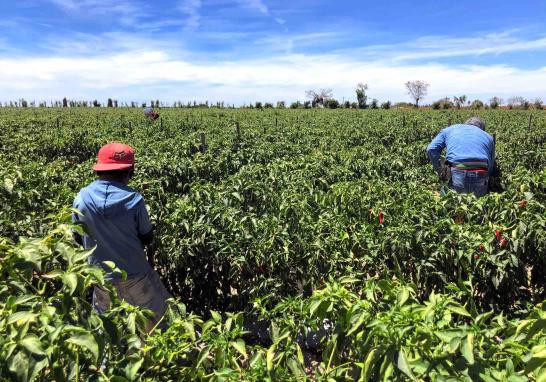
column 243, row 51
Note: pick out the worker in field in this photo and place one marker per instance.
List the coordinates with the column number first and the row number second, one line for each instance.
column 117, row 223
column 470, row 156
column 150, row 113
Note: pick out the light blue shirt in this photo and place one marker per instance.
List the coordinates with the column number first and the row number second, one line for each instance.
column 114, row 215
column 463, row 143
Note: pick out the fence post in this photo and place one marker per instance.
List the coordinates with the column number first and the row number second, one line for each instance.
column 203, row 143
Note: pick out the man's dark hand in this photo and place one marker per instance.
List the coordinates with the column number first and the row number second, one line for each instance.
column 147, row 238
column 77, row 238
column 444, row 173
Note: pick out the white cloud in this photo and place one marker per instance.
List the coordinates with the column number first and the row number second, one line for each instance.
column 125, row 12
column 154, row 74
column 256, row 4
column 191, row 9
column 431, row 47
column 66, row 4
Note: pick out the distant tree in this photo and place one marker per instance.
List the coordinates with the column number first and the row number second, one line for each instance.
column 296, row 105
column 459, row 101
column 281, row 105
column 96, row 103
column 517, row 102
column 374, row 104
column 444, row 104
column 538, row 104
column 318, row 98
column 495, row 102
column 110, row 103
column 307, row 104
column 417, row 90
column 268, row 105
column 477, row 104
column 331, row 103
column 115, row 103
column 386, row 105
column 347, row 104
column 361, row 95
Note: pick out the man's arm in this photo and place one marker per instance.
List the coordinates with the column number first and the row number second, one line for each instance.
column 145, row 229
column 76, row 220
column 434, row 150
column 491, row 161
column 145, row 232
column 147, row 238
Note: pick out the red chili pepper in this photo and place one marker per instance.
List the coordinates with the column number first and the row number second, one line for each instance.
column 503, row 243
column 498, row 234
column 381, row 218
column 477, row 257
column 523, row 203
column 482, row 248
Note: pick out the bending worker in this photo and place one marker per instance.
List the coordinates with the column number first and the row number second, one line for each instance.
column 470, row 156
column 117, row 223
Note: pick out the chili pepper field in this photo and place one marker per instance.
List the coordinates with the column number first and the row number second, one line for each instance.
column 328, row 227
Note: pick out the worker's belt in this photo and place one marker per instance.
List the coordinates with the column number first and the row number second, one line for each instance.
column 475, row 166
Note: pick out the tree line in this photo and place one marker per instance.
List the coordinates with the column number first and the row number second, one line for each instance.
column 316, row 98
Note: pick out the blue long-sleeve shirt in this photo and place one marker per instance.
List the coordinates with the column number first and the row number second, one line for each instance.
column 115, row 216
column 463, row 143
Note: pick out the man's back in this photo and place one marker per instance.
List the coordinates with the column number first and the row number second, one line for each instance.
column 115, row 216
column 464, row 143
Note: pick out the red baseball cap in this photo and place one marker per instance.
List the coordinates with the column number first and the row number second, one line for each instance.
column 115, row 156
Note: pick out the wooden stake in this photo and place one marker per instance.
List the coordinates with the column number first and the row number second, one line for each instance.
column 404, row 121
column 161, row 123
column 57, row 122
column 203, row 143
column 238, row 130
column 130, row 127
column 449, row 121
column 530, row 121
column 276, row 122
